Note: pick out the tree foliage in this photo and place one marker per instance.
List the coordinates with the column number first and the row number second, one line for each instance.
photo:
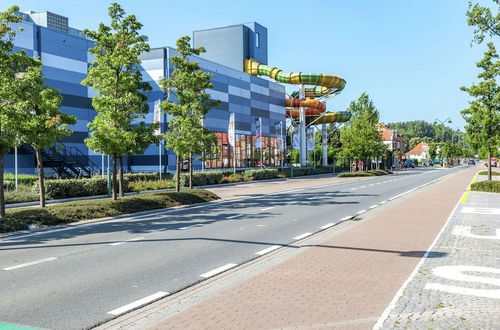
column 121, row 99
column 483, row 114
column 43, row 121
column 360, row 137
column 485, row 21
column 186, row 135
column 12, row 64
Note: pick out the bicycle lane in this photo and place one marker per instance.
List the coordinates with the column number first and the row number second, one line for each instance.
column 457, row 285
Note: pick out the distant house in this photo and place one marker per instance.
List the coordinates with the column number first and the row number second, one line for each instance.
column 395, row 142
column 420, row 152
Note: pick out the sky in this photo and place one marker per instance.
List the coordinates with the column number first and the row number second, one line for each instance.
column 410, row 56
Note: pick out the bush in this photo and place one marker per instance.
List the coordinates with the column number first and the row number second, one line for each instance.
column 24, row 193
column 264, row 174
column 134, row 177
column 150, row 185
column 202, row 178
column 487, row 186
column 232, row 178
column 9, row 185
column 379, row 172
column 354, row 174
column 19, row 219
column 21, row 178
column 67, row 188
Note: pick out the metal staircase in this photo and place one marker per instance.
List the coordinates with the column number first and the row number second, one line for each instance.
column 66, row 161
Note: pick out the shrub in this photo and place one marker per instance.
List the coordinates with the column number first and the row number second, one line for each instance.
column 24, row 193
column 487, row 186
column 9, row 185
column 354, row 174
column 264, row 174
column 133, row 177
column 67, row 188
column 202, row 178
column 18, row 219
column 21, row 178
column 150, row 185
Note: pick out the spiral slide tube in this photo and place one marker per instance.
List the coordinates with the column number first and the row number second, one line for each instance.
column 325, row 85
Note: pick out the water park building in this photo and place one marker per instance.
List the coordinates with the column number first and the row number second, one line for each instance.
column 237, row 58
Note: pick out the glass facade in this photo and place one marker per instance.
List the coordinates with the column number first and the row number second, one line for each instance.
column 221, row 155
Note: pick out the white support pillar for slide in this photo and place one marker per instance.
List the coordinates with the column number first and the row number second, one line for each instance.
column 324, row 145
column 303, row 147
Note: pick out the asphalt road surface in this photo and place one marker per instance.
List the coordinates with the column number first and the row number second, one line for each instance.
column 78, row 277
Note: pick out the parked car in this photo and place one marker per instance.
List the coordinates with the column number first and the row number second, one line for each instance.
column 409, row 163
column 472, row 162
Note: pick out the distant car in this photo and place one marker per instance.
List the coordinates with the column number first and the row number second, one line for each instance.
column 472, row 162
column 409, row 163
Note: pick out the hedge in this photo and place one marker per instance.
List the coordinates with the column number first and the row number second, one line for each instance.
column 19, row 219
column 354, row 174
column 263, row 174
column 21, row 178
column 68, row 188
column 138, row 186
column 202, row 178
column 487, row 186
column 134, row 177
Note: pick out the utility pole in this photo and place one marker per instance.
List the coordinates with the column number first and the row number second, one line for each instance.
column 302, row 129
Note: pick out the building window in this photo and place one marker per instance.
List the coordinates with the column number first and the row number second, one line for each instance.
column 257, row 40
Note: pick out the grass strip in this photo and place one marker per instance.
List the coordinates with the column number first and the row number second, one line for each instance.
column 21, row 218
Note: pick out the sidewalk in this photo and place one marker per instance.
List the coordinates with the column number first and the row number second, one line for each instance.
column 342, row 278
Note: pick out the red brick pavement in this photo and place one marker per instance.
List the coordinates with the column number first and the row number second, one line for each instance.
column 344, row 283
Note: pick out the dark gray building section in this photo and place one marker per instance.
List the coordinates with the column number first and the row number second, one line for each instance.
column 230, row 45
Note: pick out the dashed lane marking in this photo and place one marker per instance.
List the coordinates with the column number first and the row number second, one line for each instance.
column 138, row 303
column 218, row 270
column 269, row 249
column 127, row 241
column 302, row 236
column 267, row 208
column 30, row 263
column 328, row 225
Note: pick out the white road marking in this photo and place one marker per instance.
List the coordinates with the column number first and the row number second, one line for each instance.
column 30, row 263
column 361, row 212
column 378, row 183
column 138, row 303
column 371, row 184
column 346, row 218
column 480, row 210
column 354, row 188
column 373, row 206
column 328, row 225
column 269, row 249
column 267, row 208
column 362, row 187
column 302, row 236
column 218, row 270
column 126, row 241
column 466, row 231
column 190, row 226
column 398, row 295
column 311, row 198
column 382, row 202
column 233, row 216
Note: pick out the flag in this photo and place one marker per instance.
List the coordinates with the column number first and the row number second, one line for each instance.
column 230, row 130
column 310, row 139
column 258, row 133
column 157, row 116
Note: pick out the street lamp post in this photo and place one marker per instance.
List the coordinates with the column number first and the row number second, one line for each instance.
column 442, row 122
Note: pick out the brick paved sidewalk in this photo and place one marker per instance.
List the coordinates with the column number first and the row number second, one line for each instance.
column 343, row 282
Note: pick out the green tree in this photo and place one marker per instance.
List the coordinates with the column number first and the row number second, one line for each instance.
column 43, row 121
column 484, row 20
column 360, row 137
column 12, row 64
column 483, row 115
column 186, row 135
column 116, row 77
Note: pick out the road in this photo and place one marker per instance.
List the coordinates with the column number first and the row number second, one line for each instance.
column 79, row 277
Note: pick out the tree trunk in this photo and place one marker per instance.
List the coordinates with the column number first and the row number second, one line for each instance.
column 178, row 173
column 41, row 184
column 2, row 196
column 113, row 181
column 121, row 183
column 190, row 171
column 489, row 165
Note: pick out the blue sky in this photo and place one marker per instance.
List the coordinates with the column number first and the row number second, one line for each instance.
column 410, row 56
